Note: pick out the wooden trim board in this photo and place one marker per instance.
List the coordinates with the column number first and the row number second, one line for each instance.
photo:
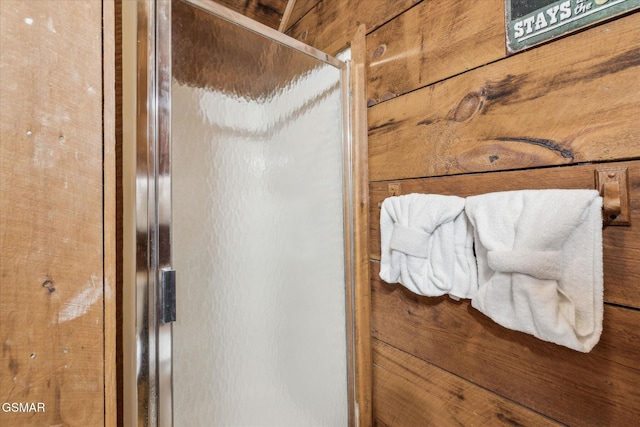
column 362, row 297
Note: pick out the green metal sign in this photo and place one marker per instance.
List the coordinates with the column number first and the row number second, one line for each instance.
column 530, row 22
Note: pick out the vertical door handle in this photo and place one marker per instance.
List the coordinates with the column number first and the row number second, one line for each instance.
column 168, row 295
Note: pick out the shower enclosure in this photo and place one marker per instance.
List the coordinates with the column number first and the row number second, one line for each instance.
column 244, row 241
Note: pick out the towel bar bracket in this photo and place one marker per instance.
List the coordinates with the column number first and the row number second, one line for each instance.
column 394, row 189
column 613, row 185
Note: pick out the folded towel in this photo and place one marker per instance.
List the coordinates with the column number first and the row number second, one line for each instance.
column 539, row 256
column 427, row 245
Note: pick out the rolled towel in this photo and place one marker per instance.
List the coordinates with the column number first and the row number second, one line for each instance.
column 539, row 256
column 427, row 245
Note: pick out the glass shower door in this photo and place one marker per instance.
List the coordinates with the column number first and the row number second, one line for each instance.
column 257, row 226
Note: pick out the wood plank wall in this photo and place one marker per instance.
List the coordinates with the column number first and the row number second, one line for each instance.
column 450, row 113
column 56, row 247
column 267, row 12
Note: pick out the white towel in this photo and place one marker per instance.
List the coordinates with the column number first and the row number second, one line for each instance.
column 427, row 245
column 539, row 256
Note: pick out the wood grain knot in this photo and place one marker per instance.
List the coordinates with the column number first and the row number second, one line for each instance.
column 48, row 285
column 379, row 51
column 469, row 105
column 540, row 142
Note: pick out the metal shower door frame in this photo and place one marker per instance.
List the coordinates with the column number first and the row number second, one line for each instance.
column 154, row 394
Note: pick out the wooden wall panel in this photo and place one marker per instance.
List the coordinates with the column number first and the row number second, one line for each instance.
column 433, row 41
column 595, row 389
column 455, row 105
column 332, row 23
column 52, row 286
column 267, row 12
column 571, row 101
column 300, row 8
column 621, row 244
column 410, row 392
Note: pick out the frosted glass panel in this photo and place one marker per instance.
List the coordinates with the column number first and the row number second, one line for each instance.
column 257, row 231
